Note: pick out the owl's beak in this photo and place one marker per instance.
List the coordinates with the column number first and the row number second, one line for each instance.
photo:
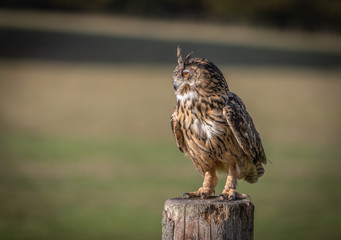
column 175, row 86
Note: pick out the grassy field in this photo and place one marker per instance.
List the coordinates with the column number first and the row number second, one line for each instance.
column 87, row 151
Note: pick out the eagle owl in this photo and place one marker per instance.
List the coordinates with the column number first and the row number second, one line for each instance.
column 211, row 125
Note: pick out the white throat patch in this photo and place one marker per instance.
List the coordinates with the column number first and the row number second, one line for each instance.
column 190, row 95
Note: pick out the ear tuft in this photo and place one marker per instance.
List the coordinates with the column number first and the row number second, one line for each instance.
column 188, row 57
column 178, row 54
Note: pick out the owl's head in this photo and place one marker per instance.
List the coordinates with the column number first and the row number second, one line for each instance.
column 197, row 76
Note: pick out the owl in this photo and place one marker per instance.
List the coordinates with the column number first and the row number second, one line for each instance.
column 211, row 125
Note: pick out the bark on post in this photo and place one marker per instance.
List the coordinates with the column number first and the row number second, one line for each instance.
column 207, row 219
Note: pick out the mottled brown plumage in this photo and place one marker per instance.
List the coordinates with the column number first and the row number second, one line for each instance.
column 211, row 125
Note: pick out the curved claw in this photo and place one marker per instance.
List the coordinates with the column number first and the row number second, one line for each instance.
column 242, row 196
column 223, row 196
column 232, row 197
column 248, row 196
column 204, row 195
column 201, row 193
column 187, row 195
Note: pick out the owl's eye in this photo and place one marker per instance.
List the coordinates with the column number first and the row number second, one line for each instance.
column 185, row 73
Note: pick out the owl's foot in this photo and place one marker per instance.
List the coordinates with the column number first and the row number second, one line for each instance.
column 202, row 193
column 233, row 195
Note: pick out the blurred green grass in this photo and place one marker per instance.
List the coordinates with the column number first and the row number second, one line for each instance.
column 87, row 152
column 82, row 189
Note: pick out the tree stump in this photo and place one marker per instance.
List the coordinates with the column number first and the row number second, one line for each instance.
column 210, row 218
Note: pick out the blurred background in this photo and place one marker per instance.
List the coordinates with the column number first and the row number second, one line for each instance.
column 86, row 149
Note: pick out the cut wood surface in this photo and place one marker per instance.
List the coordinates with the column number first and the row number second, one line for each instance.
column 210, row 218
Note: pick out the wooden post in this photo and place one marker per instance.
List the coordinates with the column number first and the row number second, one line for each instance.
column 210, row 218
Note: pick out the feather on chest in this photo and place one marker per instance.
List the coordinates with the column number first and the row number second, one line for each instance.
column 199, row 121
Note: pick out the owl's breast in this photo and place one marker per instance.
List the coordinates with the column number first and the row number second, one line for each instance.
column 207, row 128
column 203, row 126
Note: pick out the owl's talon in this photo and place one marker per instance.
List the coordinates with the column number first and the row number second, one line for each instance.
column 242, row 196
column 200, row 194
column 223, row 196
column 187, row 195
column 232, row 197
column 204, row 195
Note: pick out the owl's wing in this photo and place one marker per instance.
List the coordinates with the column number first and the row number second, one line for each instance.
column 179, row 138
column 243, row 129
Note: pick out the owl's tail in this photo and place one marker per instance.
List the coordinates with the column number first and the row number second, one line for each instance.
column 260, row 169
column 256, row 172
